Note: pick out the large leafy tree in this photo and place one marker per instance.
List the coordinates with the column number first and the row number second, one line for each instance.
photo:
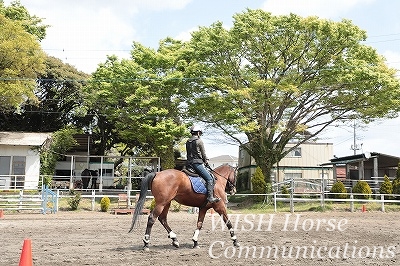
column 21, row 60
column 137, row 102
column 31, row 23
column 59, row 92
column 286, row 78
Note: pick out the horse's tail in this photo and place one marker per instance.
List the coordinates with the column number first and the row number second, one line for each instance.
column 142, row 198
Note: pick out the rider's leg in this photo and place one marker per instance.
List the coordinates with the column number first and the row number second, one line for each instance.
column 201, row 170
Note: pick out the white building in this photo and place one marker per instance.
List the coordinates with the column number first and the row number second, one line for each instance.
column 304, row 162
column 20, row 160
column 223, row 159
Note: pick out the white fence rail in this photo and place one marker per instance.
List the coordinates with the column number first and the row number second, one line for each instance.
column 324, row 198
column 299, row 191
column 44, row 201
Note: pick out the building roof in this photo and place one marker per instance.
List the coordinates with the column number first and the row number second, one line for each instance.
column 23, row 138
column 224, row 158
column 384, row 160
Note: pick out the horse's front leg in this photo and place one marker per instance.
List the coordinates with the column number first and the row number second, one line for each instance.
column 163, row 220
column 200, row 220
column 230, row 227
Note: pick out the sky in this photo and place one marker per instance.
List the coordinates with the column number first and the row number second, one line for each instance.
column 83, row 32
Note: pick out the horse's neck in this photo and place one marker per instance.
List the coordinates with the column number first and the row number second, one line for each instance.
column 221, row 178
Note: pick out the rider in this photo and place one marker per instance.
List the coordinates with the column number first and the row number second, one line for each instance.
column 197, row 158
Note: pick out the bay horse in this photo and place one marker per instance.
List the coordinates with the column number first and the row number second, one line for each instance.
column 172, row 184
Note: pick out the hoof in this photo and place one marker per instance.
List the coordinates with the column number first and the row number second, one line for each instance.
column 195, row 244
column 146, row 249
column 175, row 244
column 236, row 244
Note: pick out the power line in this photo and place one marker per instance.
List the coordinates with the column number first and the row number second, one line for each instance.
column 164, row 78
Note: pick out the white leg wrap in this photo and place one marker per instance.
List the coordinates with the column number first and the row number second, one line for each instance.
column 196, row 235
column 172, row 235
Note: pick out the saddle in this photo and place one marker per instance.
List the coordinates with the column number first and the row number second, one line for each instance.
column 188, row 169
column 198, row 183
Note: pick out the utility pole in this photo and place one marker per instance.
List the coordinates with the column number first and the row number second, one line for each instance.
column 355, row 146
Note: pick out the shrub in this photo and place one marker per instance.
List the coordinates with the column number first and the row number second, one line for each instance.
column 74, row 201
column 258, row 183
column 338, row 187
column 285, row 192
column 268, row 190
column 46, row 181
column 105, row 204
column 396, row 183
column 386, row 187
column 175, row 206
column 152, row 204
column 362, row 187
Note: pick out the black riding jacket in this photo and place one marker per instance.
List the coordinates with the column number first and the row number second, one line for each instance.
column 195, row 150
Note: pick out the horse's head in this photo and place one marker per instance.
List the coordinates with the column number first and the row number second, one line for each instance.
column 228, row 173
column 232, row 181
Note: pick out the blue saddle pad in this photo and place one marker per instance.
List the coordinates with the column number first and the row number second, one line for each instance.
column 198, row 184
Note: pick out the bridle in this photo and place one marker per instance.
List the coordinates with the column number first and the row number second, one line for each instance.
column 230, row 184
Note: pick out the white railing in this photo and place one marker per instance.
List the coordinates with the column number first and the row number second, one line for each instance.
column 323, row 199
column 44, row 200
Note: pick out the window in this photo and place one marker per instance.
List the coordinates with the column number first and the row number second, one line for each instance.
column 19, row 165
column 5, row 165
column 18, row 169
column 289, row 176
column 296, row 152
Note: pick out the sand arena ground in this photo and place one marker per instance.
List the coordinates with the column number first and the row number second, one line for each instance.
column 95, row 238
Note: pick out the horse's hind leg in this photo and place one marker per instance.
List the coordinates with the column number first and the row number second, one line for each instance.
column 163, row 220
column 150, row 222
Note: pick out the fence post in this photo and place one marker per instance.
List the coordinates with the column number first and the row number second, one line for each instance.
column 93, row 199
column 44, row 199
column 322, row 200
column 291, row 195
column 21, row 197
column 275, row 201
column 351, row 203
column 57, row 197
column 382, row 203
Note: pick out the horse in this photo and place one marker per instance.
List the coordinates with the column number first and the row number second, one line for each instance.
column 172, row 184
column 86, row 175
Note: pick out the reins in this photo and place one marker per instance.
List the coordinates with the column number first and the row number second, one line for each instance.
column 224, row 177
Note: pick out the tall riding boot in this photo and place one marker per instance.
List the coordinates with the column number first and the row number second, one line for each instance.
column 210, row 192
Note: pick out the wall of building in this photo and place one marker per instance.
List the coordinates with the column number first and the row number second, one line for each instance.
column 305, row 163
column 32, row 165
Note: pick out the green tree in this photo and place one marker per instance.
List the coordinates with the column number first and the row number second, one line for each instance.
column 285, row 78
column 59, row 91
column 61, row 141
column 31, row 24
column 21, row 61
column 137, row 101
